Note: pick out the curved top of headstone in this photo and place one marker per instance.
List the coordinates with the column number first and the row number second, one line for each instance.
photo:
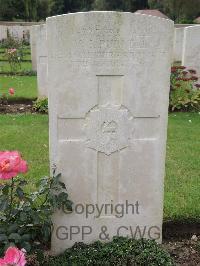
column 113, row 13
column 195, row 27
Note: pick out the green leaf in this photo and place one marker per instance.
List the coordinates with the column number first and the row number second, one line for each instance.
column 26, row 245
column 26, row 237
column 23, row 216
column 3, row 238
column 14, row 236
column 4, row 204
column 5, row 190
column 63, row 196
column 23, row 182
column 13, row 228
column 62, row 185
column 20, row 193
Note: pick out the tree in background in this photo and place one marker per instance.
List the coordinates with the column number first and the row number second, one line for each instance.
column 11, row 9
column 156, row 4
column 57, row 7
column 191, row 9
column 30, row 7
column 28, row 10
column 67, row 6
column 43, row 9
column 181, row 11
column 128, row 5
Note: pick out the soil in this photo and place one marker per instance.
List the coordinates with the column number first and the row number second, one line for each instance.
column 185, row 252
column 14, row 108
column 182, row 240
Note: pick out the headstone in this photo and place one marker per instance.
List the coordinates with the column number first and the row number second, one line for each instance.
column 3, row 32
column 16, row 31
column 42, row 61
column 178, row 44
column 33, row 34
column 108, row 76
column 191, row 48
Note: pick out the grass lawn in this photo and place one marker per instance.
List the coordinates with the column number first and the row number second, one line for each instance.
column 25, row 87
column 26, row 49
column 5, row 66
column 25, row 57
column 182, row 186
column 29, row 134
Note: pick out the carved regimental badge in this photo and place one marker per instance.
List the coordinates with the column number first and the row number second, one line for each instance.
column 109, row 128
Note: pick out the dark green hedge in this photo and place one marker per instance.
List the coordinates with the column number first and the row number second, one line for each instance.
column 120, row 252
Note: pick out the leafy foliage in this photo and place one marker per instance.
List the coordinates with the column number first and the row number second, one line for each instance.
column 25, row 218
column 121, row 251
column 182, row 11
column 184, row 93
column 28, row 10
column 41, row 105
column 14, row 52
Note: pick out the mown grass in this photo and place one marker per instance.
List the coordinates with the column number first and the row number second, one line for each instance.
column 29, row 134
column 5, row 67
column 25, row 87
column 182, row 185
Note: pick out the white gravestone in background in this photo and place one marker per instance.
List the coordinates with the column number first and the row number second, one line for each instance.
column 178, row 44
column 3, row 32
column 41, row 45
column 108, row 78
column 191, row 48
column 33, row 34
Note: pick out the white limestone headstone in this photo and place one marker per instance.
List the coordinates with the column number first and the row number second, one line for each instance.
column 33, row 40
column 178, row 44
column 191, row 48
column 3, row 32
column 42, row 61
column 108, row 81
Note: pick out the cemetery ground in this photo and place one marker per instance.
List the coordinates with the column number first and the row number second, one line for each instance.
column 27, row 131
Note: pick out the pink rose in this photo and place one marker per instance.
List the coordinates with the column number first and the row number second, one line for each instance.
column 11, row 164
column 14, row 257
column 11, row 91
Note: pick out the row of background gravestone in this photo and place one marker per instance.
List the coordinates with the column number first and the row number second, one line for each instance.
column 19, row 30
column 185, row 50
column 187, row 47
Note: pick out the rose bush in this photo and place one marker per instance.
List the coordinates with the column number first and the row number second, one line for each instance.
column 13, row 57
column 25, row 217
column 4, row 97
column 11, row 164
column 13, row 256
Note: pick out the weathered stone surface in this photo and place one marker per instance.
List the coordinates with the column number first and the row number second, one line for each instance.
column 19, row 30
column 108, row 77
column 42, row 61
column 3, row 32
column 191, row 48
column 178, row 44
column 33, row 40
